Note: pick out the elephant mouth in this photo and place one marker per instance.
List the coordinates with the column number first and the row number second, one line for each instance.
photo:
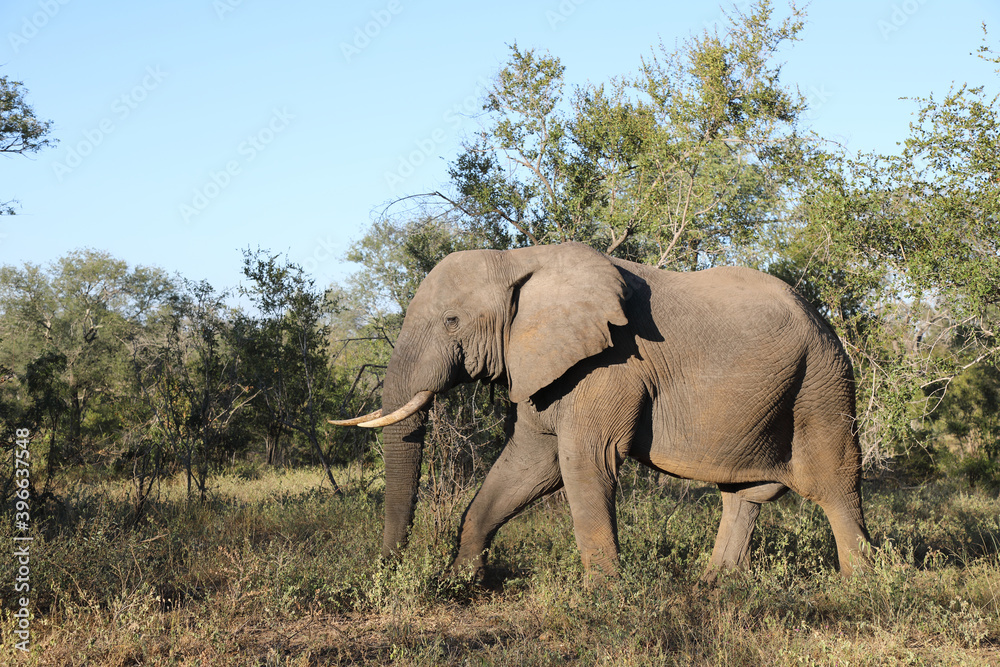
column 375, row 419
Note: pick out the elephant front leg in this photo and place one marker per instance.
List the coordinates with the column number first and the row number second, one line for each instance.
column 591, row 482
column 528, row 468
column 595, row 434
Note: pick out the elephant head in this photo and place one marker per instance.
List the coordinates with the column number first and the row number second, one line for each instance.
column 519, row 317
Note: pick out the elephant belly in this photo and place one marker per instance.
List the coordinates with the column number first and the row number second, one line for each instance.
column 736, row 434
column 714, row 462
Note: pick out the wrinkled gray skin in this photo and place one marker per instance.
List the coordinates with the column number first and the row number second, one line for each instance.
column 725, row 376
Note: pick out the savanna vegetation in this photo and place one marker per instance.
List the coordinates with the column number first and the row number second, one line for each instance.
column 190, row 504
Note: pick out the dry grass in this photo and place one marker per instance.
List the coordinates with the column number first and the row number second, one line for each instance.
column 278, row 571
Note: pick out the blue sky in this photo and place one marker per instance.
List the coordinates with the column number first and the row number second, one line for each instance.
column 191, row 129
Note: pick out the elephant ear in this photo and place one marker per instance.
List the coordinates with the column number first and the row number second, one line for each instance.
column 568, row 296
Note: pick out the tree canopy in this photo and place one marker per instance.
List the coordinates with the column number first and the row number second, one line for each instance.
column 21, row 131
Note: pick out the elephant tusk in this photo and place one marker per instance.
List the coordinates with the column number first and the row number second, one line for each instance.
column 419, row 401
column 357, row 420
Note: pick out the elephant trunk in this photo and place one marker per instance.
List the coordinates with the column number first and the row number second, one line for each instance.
column 403, row 444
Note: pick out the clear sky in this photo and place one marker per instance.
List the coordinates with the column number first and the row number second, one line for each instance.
column 194, row 128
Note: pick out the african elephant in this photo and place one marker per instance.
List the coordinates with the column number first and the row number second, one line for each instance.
column 725, row 375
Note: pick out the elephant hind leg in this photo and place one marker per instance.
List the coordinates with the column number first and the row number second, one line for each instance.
column 843, row 509
column 828, row 472
column 740, row 508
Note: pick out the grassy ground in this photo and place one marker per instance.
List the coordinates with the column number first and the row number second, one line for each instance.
column 278, row 571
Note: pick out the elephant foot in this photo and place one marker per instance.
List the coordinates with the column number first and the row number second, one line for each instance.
column 708, row 579
column 712, row 577
column 466, row 574
column 466, row 569
column 599, row 570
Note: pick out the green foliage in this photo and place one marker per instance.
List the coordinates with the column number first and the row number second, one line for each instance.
column 699, row 159
column 685, row 164
column 394, row 257
column 901, row 253
column 120, row 367
column 285, row 350
column 189, row 376
column 62, row 333
column 285, row 353
column 21, row 132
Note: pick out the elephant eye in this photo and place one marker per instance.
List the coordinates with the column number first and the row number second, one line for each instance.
column 451, row 322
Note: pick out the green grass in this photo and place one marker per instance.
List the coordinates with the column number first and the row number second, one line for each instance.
column 278, row 571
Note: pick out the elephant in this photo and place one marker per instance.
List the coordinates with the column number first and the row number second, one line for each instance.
column 725, row 375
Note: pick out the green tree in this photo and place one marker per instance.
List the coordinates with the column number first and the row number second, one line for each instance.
column 700, row 159
column 21, row 132
column 903, row 254
column 285, row 349
column 190, row 378
column 687, row 164
column 62, row 332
